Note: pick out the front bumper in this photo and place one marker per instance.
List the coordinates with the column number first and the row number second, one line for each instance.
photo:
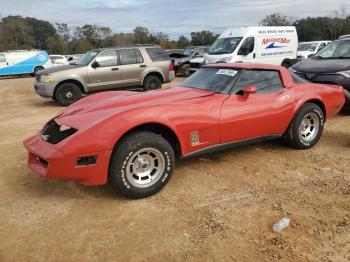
column 44, row 89
column 335, row 79
column 49, row 161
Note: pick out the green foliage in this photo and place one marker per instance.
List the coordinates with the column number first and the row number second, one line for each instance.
column 141, row 35
column 322, row 28
column 183, row 42
column 275, row 19
column 203, row 38
column 17, row 32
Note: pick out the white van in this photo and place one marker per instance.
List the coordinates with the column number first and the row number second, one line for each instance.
column 20, row 62
column 275, row 45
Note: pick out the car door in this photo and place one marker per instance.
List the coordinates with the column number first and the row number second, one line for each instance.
column 104, row 72
column 268, row 112
column 3, row 61
column 132, row 65
column 246, row 52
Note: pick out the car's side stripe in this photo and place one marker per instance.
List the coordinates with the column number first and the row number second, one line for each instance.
column 224, row 146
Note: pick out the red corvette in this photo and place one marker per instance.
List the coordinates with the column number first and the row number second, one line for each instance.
column 132, row 139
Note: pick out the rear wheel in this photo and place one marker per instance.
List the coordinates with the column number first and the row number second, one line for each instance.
column 67, row 94
column 306, row 128
column 141, row 165
column 151, row 82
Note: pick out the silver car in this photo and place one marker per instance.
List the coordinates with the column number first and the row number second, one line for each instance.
column 104, row 69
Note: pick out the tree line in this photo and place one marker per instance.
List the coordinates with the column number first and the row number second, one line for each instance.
column 17, row 32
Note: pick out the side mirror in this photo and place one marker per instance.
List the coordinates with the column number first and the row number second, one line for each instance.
column 95, row 64
column 243, row 51
column 249, row 90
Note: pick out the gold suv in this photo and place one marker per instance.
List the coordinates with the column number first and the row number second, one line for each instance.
column 103, row 69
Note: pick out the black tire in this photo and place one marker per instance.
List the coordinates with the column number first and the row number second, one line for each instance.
column 185, row 70
column 67, row 93
column 152, row 82
column 37, row 69
column 125, row 161
column 306, row 127
column 346, row 107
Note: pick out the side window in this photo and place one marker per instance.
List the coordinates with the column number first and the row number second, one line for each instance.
column 139, row 57
column 247, row 47
column 107, row 58
column 128, row 56
column 322, row 45
column 157, row 54
column 265, row 81
column 2, row 58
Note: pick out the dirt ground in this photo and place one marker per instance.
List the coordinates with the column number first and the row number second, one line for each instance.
column 218, row 207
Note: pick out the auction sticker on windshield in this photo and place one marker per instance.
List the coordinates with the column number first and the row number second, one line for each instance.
column 228, row 72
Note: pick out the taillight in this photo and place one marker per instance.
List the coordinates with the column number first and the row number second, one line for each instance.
column 171, row 67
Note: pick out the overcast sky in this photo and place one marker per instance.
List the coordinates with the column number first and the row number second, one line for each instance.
column 173, row 17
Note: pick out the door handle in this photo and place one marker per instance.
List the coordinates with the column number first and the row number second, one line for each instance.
column 254, row 55
column 142, row 65
column 115, row 68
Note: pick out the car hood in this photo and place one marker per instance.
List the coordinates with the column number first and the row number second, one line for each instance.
column 103, row 105
column 57, row 69
column 322, row 65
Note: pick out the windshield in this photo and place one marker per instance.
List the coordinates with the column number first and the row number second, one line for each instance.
column 307, row 47
column 188, row 51
column 224, row 45
column 86, row 58
column 218, row 80
column 335, row 50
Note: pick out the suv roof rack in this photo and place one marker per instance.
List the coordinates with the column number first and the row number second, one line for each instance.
column 119, row 46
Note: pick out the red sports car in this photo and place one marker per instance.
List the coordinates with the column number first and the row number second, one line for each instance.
column 132, row 139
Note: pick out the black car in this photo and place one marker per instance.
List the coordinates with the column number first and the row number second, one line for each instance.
column 330, row 65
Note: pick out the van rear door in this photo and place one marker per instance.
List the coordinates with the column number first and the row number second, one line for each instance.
column 3, row 61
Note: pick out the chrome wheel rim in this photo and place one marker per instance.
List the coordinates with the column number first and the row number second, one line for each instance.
column 309, row 127
column 145, row 167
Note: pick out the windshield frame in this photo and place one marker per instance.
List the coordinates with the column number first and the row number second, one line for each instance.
column 329, row 46
column 81, row 59
column 217, row 41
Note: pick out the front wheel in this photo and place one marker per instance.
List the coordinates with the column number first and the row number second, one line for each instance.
column 141, row 165
column 67, row 94
column 306, row 128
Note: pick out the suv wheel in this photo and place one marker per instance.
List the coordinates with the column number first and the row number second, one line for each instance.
column 306, row 128
column 151, row 82
column 141, row 165
column 67, row 94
